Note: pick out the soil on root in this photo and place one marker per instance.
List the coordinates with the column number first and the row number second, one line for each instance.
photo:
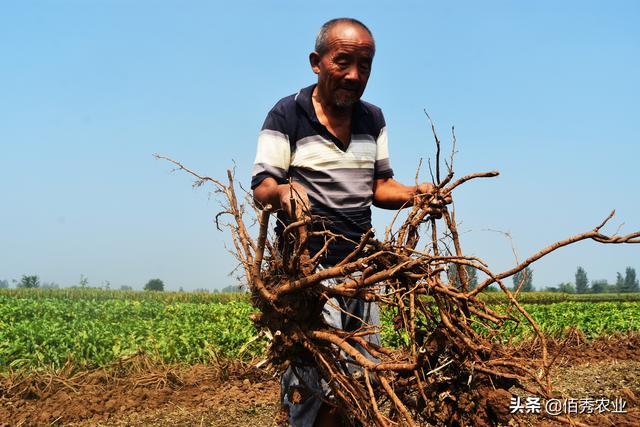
column 235, row 396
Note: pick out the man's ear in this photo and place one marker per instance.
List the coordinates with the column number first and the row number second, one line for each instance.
column 314, row 60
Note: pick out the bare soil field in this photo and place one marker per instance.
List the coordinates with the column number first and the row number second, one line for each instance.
column 142, row 394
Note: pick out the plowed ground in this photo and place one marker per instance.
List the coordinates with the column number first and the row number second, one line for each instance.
column 141, row 394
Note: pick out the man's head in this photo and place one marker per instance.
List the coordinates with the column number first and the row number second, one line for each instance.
column 342, row 60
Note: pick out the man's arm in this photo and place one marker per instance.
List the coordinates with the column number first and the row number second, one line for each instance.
column 390, row 194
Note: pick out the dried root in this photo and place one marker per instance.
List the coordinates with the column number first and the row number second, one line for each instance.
column 452, row 372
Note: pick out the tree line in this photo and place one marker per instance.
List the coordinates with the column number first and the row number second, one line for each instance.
column 32, row 281
column 624, row 283
column 524, row 281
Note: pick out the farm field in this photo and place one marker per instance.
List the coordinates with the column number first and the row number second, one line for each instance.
column 85, row 356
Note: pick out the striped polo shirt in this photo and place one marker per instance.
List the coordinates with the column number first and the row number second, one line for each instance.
column 339, row 182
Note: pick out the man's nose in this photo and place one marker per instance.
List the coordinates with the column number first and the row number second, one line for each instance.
column 353, row 73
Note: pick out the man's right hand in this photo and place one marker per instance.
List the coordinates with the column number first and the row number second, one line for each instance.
column 283, row 196
column 293, row 200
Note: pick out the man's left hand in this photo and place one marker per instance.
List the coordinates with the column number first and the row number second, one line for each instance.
column 429, row 199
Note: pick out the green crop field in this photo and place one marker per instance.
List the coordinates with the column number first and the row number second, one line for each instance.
column 45, row 328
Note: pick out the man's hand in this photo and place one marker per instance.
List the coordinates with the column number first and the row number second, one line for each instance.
column 430, row 200
column 292, row 198
column 390, row 194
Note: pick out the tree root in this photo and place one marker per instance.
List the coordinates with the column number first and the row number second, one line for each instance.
column 453, row 371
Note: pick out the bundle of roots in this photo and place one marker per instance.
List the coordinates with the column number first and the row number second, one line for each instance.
column 453, row 369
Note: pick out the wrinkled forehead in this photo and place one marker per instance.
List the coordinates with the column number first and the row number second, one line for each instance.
column 350, row 36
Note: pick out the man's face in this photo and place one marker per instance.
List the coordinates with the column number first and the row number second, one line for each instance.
column 343, row 71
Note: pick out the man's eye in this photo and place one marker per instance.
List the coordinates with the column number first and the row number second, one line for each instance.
column 365, row 66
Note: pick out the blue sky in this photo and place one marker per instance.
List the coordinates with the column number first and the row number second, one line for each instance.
column 545, row 92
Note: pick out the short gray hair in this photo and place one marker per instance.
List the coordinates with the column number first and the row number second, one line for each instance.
column 321, row 39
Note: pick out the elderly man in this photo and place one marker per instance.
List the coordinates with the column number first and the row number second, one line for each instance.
column 333, row 148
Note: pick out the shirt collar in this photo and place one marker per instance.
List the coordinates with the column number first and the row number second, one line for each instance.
column 303, row 99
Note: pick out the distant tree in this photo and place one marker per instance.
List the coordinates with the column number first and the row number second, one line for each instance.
column 526, row 278
column 454, row 279
column 126, row 288
column 611, row 289
column 107, row 285
column 232, row 288
column 4, row 284
column 29, row 282
column 49, row 285
column 201, row 290
column 551, row 289
column 215, row 290
column 599, row 286
column 180, row 290
column 567, row 288
column 491, row 288
column 630, row 280
column 154, row 285
column 84, row 281
column 619, row 283
column 582, row 283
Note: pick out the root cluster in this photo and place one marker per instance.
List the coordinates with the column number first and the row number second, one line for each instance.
column 453, row 368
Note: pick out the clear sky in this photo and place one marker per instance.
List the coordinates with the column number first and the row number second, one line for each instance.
column 545, row 92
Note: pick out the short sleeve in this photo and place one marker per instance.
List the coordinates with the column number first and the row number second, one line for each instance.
column 382, row 167
column 273, row 154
